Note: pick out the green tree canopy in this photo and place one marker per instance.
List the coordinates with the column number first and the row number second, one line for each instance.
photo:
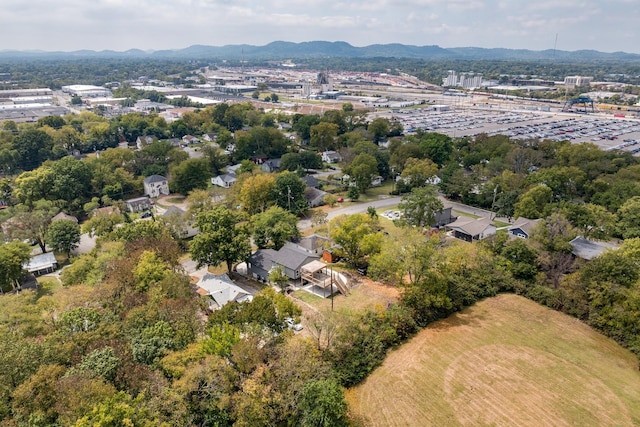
column 289, row 193
column 274, row 227
column 357, row 237
column 13, row 256
column 222, row 238
column 420, row 206
column 63, row 235
column 189, row 175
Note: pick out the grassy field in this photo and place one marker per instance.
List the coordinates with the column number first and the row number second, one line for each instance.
column 506, row 361
column 364, row 296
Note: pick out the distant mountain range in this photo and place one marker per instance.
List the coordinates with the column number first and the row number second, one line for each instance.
column 317, row 49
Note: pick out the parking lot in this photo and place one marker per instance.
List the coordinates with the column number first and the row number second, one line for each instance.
column 605, row 131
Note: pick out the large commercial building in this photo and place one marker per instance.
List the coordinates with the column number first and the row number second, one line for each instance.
column 573, row 81
column 87, row 91
column 464, row 80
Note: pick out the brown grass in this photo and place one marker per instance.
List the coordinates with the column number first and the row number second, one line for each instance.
column 505, row 361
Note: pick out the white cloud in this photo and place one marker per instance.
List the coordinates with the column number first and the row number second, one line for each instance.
column 124, row 24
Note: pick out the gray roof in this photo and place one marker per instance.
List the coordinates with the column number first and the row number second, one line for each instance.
column 525, row 224
column 312, row 194
column 137, row 200
column 589, row 249
column 222, row 289
column 63, row 215
column 262, row 259
column 40, row 262
column 154, row 178
column 310, row 180
column 290, row 256
column 470, row 226
column 173, row 210
column 228, row 177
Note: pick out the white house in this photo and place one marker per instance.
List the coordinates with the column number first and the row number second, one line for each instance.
column 155, row 185
column 331, row 157
column 225, row 180
column 143, row 141
column 190, row 139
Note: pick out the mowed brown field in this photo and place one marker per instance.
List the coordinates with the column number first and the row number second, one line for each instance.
column 506, row 361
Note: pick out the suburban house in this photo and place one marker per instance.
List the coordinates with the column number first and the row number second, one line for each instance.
column 139, row 204
column 179, row 219
column 143, row 141
column 106, row 211
column 311, row 181
column 444, row 217
column 210, row 137
column 155, row 185
column 190, row 139
column 290, row 257
column 175, row 142
column 314, row 196
column 522, row 227
column 271, row 165
column 41, row 264
column 315, row 243
column 331, row 157
column 64, row 216
column 225, row 180
column 470, row 229
column 284, row 126
column 589, row 249
column 220, row 290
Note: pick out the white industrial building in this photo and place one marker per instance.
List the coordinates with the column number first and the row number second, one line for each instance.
column 464, row 80
column 87, row 91
column 573, row 81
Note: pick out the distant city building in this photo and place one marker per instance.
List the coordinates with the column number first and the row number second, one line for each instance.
column 573, row 81
column 464, row 80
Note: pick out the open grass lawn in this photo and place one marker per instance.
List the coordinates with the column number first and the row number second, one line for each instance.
column 175, row 199
column 366, row 295
column 506, row 361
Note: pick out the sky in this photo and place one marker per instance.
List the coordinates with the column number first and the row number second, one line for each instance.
column 66, row 25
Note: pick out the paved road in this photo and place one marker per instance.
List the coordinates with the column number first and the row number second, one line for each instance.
column 353, row 209
column 392, row 201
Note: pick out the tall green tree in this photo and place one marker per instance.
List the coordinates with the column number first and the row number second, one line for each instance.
column 361, row 170
column 420, row 207
column 357, row 237
column 223, row 238
column 189, row 175
column 34, row 146
column 63, row 235
column 13, row 256
column 289, row 193
column 274, row 227
column 322, row 404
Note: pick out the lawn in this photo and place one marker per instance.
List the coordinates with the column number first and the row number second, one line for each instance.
column 365, row 295
column 505, row 361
